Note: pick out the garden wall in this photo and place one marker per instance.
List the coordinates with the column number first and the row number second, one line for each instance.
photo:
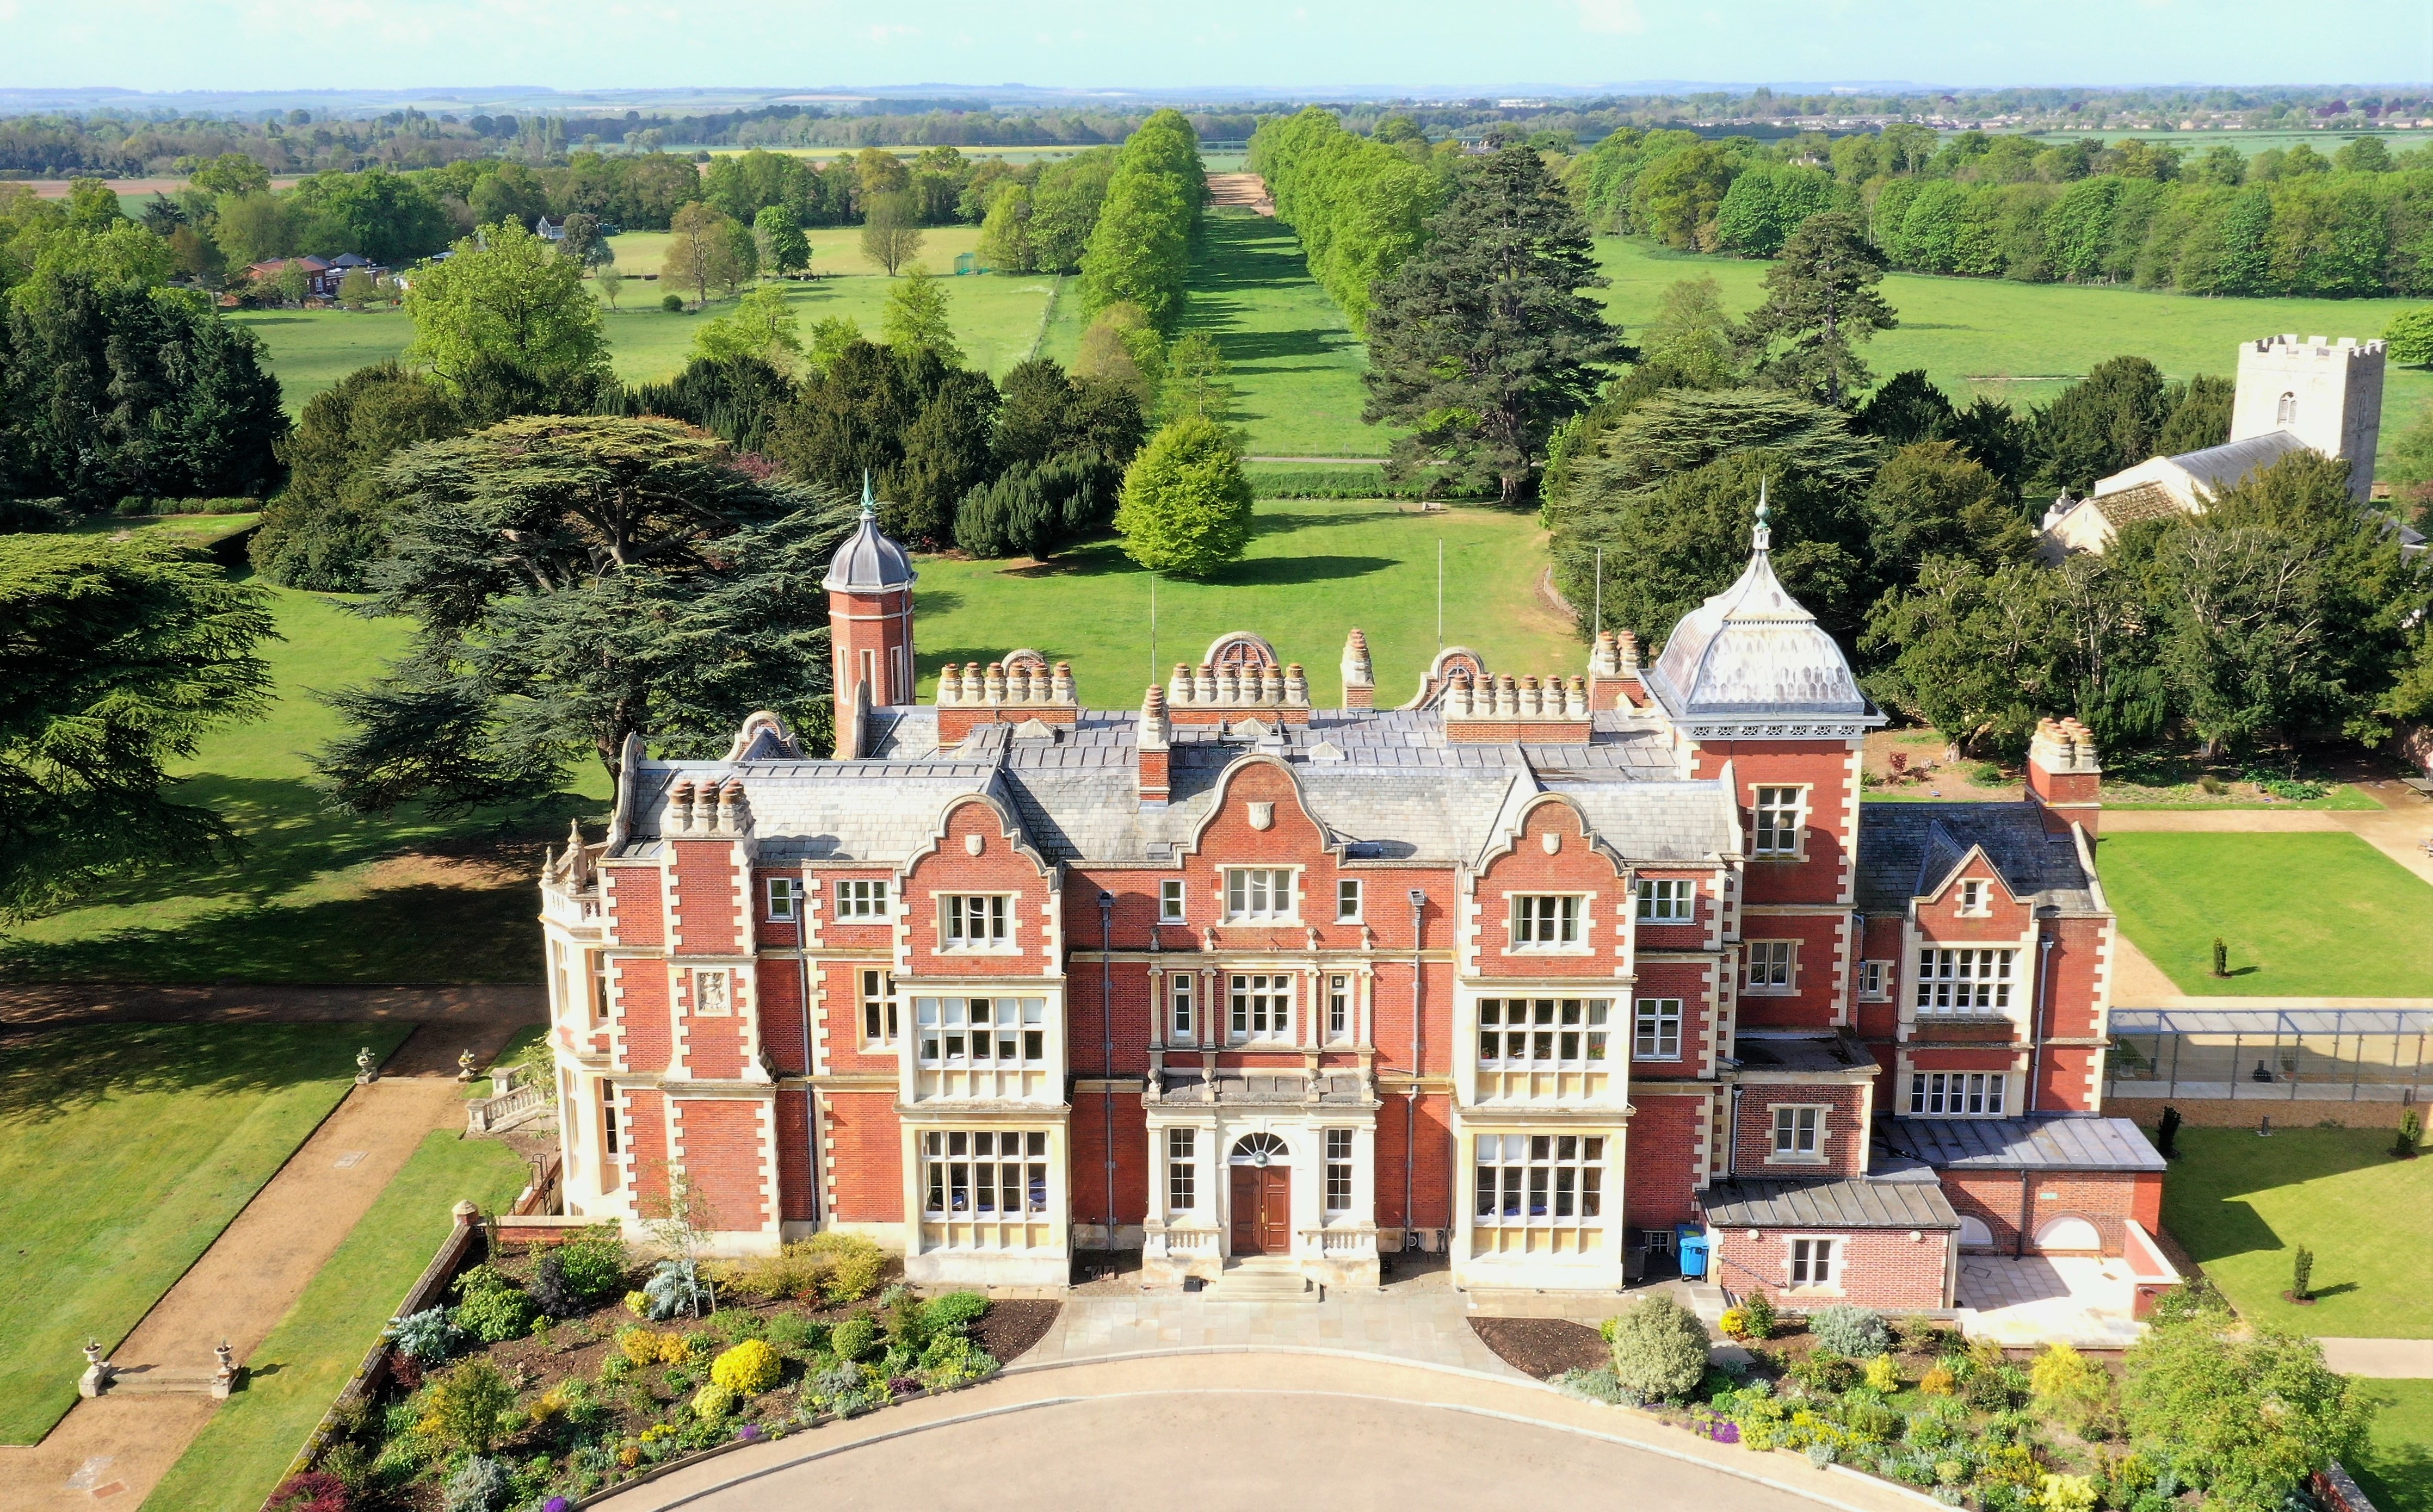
column 2243, row 1112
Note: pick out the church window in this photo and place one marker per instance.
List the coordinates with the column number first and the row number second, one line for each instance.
column 2288, row 413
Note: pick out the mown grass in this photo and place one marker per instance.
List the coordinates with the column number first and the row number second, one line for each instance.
column 2304, row 915
column 240, row 1455
column 317, row 895
column 125, row 1150
column 2241, row 1205
column 2397, row 1472
column 2024, row 342
column 1315, row 568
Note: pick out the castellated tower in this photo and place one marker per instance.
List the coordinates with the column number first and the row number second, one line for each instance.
column 2327, row 394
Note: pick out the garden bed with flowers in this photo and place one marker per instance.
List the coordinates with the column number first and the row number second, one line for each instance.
column 557, row 1374
column 2205, row 1413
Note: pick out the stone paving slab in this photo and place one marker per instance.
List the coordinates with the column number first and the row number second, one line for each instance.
column 2383, row 1359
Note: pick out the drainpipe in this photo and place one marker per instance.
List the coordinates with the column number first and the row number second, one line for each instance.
column 1411, row 1105
column 2027, row 1210
column 1732, row 1138
column 2036, row 1021
column 810, row 1090
column 1107, row 1050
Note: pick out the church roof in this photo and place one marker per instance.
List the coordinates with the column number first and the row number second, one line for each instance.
column 868, row 562
column 2223, row 467
column 1755, row 653
column 2138, row 502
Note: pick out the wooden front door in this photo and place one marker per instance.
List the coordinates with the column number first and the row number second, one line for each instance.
column 1262, row 1210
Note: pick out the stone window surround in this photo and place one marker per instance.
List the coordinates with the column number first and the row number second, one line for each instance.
column 1836, row 1253
column 1823, row 1133
column 1011, row 944
column 1687, row 895
column 1287, row 917
column 1583, row 923
column 1789, row 988
column 1800, row 810
column 783, row 899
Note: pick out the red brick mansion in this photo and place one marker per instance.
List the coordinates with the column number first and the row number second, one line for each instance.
column 1531, row 971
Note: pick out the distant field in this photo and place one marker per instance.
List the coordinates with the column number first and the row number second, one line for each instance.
column 995, row 318
column 2023, row 342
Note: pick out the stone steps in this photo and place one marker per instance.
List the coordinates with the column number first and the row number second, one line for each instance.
column 1262, row 1281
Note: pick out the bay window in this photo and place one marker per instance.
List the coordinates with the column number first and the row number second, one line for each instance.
column 1960, row 982
column 1522, row 1177
column 1530, row 1033
column 984, row 1172
column 982, row 1031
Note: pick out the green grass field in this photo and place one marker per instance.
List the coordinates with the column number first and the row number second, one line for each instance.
column 319, row 896
column 125, row 1150
column 240, row 1455
column 2397, row 1472
column 996, row 318
column 2304, row 915
column 2240, row 1205
column 1315, row 568
column 2251, row 142
column 2023, row 342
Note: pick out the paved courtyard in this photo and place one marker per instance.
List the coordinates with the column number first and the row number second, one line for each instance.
column 1255, row 1431
column 2025, row 1301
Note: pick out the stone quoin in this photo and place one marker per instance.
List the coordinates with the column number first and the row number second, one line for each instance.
column 1528, row 969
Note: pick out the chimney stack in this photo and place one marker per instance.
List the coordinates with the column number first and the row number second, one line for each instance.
column 2065, row 779
column 1150, row 737
column 1359, row 678
column 1614, row 672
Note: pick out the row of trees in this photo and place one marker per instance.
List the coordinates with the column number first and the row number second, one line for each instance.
column 2358, row 224
column 1359, row 204
column 1039, row 218
column 1140, row 249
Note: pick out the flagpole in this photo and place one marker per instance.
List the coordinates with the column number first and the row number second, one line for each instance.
column 1440, row 593
column 1597, row 629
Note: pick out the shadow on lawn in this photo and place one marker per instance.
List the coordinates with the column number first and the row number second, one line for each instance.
column 45, row 1076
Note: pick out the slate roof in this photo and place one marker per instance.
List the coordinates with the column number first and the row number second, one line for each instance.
column 868, row 560
column 1905, row 850
column 1899, row 1199
column 1385, row 784
column 2049, row 1143
column 2223, row 466
column 1829, row 1053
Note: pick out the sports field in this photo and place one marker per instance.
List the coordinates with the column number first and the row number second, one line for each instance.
column 2023, row 342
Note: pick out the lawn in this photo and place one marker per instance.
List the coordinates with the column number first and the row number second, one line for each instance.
column 2397, row 1472
column 2022, row 342
column 318, row 896
column 1295, row 365
column 125, row 1150
column 996, row 319
column 1315, row 568
column 2240, row 1205
column 242, row 1454
column 2304, row 915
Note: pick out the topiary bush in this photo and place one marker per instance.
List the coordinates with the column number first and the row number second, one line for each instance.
column 492, row 1306
column 1659, row 1348
column 748, row 1370
column 1853, row 1333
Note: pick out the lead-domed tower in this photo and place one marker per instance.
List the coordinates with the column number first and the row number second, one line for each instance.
column 870, row 623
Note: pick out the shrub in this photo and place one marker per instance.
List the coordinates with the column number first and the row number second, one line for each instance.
column 479, row 1484
column 2192, row 1299
column 850, row 1264
column 313, row 1491
column 672, row 304
column 638, row 1303
column 639, row 1345
column 855, row 1339
column 953, row 1360
column 747, row 1370
column 955, row 1311
column 1938, row 1382
column 1998, row 1390
column 492, row 1307
column 1600, row 1385
column 714, row 1402
column 2243, row 1414
column 427, row 1337
column 1853, row 1333
column 2411, row 1130
column 467, row 1404
column 793, row 1272
column 732, row 1325
column 1659, row 1348
column 1759, row 1312
column 2301, row 1274
column 794, row 1333
column 1919, row 1334
column 2067, row 1382
column 1734, row 1323
column 674, row 1288
column 1824, row 1370
column 1882, row 1375
column 580, row 1274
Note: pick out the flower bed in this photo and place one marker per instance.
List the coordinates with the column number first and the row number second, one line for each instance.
column 552, row 1377
column 1971, row 1426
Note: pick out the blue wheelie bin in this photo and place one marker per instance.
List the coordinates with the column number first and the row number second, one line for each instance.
column 1689, row 1240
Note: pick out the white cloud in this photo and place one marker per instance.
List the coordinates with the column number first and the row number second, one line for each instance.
column 1619, row 17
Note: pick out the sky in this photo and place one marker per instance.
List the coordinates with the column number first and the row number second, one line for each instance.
column 1425, row 46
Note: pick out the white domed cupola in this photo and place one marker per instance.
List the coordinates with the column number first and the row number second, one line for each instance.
column 1753, row 658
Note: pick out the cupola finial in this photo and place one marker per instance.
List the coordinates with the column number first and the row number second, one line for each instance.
column 1763, row 535
column 869, row 507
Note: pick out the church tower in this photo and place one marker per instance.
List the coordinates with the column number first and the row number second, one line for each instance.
column 870, row 625
column 2327, row 394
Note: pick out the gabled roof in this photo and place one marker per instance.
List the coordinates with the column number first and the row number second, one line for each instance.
column 1754, row 651
column 2140, row 501
column 1908, row 851
column 2223, row 466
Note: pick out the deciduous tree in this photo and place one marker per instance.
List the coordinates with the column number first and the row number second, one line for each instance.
column 508, row 326
column 701, row 252
column 891, row 231
column 784, row 249
column 916, row 317
column 1186, row 506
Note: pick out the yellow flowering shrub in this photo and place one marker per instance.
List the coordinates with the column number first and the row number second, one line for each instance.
column 748, row 1370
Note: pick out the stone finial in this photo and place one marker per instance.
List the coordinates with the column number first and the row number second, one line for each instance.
column 578, row 860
